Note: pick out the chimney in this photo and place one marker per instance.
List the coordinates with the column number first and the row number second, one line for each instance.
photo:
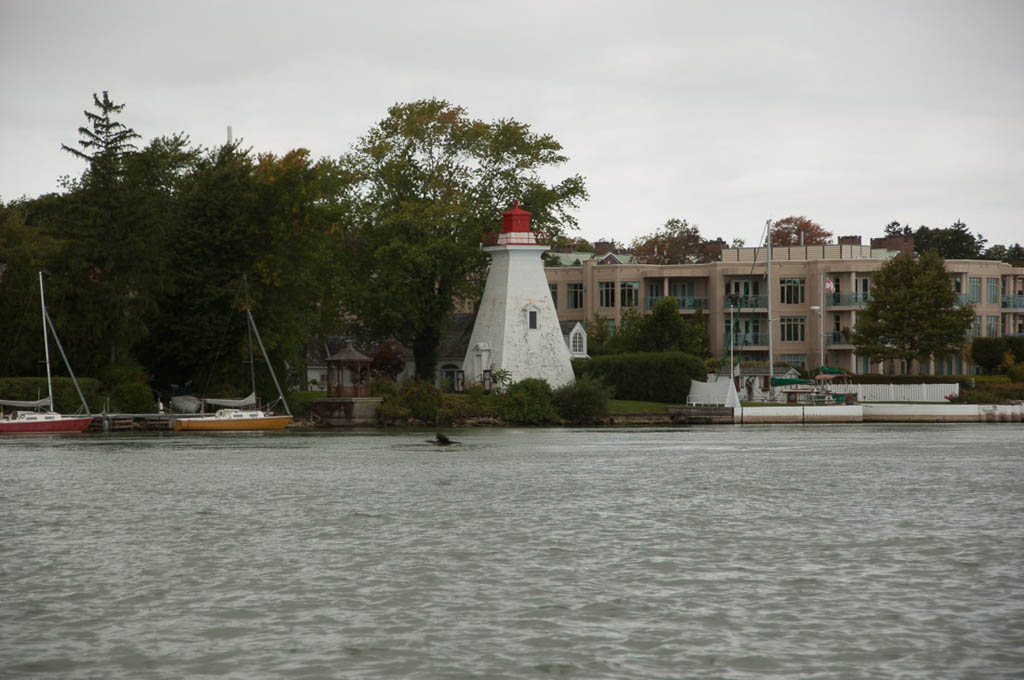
column 849, row 240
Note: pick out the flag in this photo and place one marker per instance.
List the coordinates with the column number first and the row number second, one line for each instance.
column 830, row 285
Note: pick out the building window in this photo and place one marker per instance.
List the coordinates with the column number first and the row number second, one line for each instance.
column 974, row 289
column 610, row 325
column 629, row 293
column 975, row 328
column 794, row 360
column 791, row 328
column 606, row 293
column 992, row 291
column 992, row 326
column 575, row 295
column 533, row 318
column 553, row 287
column 863, row 365
column 792, row 291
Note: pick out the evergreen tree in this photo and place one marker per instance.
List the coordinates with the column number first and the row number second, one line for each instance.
column 912, row 313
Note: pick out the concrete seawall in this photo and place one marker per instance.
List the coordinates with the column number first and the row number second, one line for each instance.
column 882, row 413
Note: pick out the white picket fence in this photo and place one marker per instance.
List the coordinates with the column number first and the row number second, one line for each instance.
column 936, row 392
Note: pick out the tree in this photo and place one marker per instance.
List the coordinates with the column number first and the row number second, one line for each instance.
column 912, row 313
column 989, row 352
column 662, row 330
column 427, row 181
column 789, row 230
column 677, row 242
column 952, row 243
column 895, row 229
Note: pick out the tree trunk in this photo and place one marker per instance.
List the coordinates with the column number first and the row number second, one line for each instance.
column 424, row 352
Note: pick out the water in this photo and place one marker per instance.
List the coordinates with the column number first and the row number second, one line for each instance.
column 852, row 551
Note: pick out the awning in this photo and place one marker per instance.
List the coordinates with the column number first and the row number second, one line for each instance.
column 778, row 382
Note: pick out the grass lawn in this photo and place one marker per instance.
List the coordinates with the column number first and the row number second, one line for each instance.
column 619, row 406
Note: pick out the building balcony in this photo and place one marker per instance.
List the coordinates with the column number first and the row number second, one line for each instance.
column 847, row 299
column 686, row 303
column 837, row 338
column 1013, row 302
column 964, row 299
column 747, row 340
column 746, row 301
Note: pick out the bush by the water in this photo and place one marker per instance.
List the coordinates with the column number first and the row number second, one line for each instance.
column 528, row 402
column 413, row 399
column 132, row 397
column 583, row 401
column 650, row 376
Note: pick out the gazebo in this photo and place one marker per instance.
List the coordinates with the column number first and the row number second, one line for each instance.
column 348, row 373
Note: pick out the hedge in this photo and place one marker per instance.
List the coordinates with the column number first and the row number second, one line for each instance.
column 645, row 376
column 64, row 395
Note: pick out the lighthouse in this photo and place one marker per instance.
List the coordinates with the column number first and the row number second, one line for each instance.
column 516, row 328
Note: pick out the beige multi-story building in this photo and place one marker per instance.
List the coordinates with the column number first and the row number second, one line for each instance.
column 800, row 315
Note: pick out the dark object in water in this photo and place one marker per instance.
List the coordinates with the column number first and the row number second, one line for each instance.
column 441, row 440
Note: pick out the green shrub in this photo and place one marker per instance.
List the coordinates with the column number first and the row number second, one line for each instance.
column 301, row 403
column 653, row 376
column 583, row 401
column 132, row 397
column 1016, row 373
column 528, row 402
column 414, row 399
column 460, row 407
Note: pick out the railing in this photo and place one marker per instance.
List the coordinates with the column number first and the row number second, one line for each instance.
column 747, row 339
column 847, row 299
column 746, row 301
column 963, row 299
column 836, row 338
column 685, row 302
column 934, row 392
column 514, row 238
column 1013, row 302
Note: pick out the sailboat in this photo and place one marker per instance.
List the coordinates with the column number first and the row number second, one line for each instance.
column 36, row 421
column 234, row 415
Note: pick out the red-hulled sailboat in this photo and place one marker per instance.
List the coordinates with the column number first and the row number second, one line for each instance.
column 28, row 422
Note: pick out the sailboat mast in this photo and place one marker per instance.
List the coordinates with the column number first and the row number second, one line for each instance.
column 46, row 342
column 252, row 362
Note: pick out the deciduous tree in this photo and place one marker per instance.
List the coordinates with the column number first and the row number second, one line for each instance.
column 795, row 231
column 428, row 182
column 677, row 242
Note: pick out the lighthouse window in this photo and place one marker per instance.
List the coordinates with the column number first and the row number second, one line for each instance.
column 533, row 318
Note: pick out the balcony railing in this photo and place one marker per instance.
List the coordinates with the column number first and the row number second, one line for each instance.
column 747, row 339
column 685, row 302
column 836, row 338
column 847, row 299
column 746, row 301
column 963, row 299
column 1013, row 302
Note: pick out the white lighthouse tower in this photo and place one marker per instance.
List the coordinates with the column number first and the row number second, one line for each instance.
column 516, row 327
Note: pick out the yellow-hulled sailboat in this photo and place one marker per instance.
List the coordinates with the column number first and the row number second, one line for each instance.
column 238, row 414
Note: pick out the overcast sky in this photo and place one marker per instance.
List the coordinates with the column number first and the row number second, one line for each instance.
column 724, row 113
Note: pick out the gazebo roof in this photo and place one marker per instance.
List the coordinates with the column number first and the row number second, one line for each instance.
column 349, row 355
